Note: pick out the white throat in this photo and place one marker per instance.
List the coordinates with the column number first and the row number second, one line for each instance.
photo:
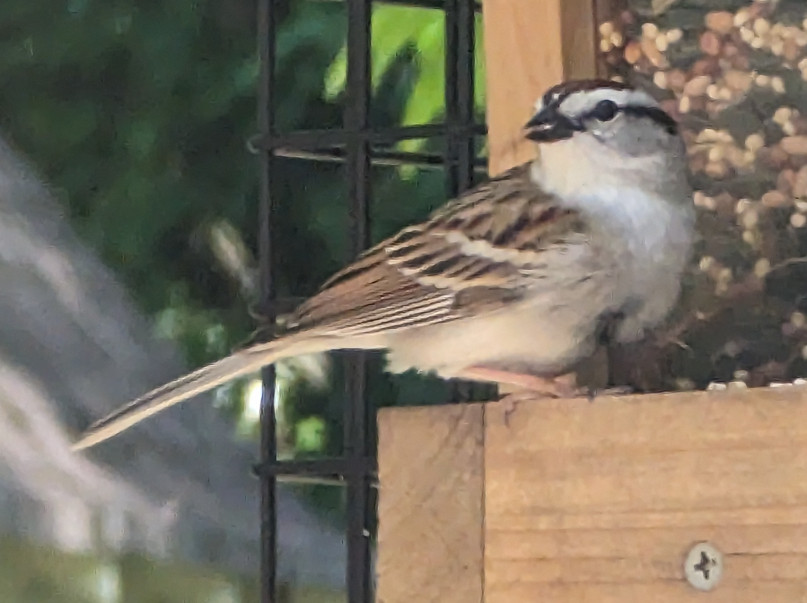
column 634, row 196
column 572, row 167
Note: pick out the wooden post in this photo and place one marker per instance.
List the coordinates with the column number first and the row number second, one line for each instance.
column 530, row 45
column 596, row 501
column 431, row 505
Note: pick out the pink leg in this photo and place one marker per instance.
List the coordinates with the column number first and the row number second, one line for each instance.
column 563, row 386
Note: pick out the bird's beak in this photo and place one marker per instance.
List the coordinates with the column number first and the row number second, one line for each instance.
column 549, row 125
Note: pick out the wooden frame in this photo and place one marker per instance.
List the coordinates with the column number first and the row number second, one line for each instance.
column 571, row 500
column 530, row 45
column 575, row 501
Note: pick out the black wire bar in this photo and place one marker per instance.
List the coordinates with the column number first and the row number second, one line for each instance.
column 459, row 95
column 268, row 424
column 380, row 157
column 356, row 145
column 359, row 441
column 312, row 139
column 459, row 106
column 435, row 4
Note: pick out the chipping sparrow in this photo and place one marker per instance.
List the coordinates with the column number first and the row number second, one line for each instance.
column 514, row 281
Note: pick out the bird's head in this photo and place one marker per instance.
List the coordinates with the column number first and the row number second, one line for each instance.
column 601, row 128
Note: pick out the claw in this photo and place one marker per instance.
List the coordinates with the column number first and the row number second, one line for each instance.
column 621, row 390
column 511, row 401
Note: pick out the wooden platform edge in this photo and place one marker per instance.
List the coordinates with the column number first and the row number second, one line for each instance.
column 431, row 508
column 562, row 501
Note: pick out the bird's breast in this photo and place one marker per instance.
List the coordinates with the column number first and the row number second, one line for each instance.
column 651, row 242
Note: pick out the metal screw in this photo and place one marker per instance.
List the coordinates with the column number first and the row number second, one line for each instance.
column 703, row 566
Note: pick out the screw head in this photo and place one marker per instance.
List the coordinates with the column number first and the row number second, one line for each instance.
column 703, row 566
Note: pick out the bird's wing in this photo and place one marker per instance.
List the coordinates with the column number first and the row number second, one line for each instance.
column 477, row 253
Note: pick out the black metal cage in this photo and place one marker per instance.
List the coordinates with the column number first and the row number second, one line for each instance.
column 357, row 145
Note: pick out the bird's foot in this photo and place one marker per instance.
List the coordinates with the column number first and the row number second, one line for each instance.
column 526, row 387
column 621, row 390
column 510, row 401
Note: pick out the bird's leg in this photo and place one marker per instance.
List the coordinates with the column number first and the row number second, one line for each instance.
column 526, row 386
column 564, row 386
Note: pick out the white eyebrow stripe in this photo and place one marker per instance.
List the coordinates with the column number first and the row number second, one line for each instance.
column 581, row 102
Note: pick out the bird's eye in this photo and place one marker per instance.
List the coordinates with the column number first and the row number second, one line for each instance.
column 605, row 110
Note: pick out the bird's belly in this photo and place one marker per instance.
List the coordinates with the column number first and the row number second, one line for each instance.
column 648, row 293
column 526, row 340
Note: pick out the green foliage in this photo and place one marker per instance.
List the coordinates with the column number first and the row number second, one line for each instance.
column 137, row 113
column 416, row 35
column 310, row 434
column 34, row 573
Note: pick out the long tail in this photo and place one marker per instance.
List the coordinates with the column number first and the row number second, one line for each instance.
column 240, row 363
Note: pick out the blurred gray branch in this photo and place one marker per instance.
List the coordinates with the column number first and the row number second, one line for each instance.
column 72, row 347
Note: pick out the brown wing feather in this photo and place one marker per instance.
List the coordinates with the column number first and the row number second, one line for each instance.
column 477, row 253
column 473, row 253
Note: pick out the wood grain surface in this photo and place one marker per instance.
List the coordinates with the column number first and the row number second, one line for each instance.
column 431, row 504
column 598, row 501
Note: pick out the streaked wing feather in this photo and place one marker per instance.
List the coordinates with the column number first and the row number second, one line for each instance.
column 476, row 253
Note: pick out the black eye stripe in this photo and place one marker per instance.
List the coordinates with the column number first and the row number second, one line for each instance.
column 657, row 115
column 654, row 113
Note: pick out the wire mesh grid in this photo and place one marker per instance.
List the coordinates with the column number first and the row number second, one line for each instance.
column 354, row 145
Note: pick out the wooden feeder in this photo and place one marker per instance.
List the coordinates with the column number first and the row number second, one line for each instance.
column 696, row 496
column 570, row 501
